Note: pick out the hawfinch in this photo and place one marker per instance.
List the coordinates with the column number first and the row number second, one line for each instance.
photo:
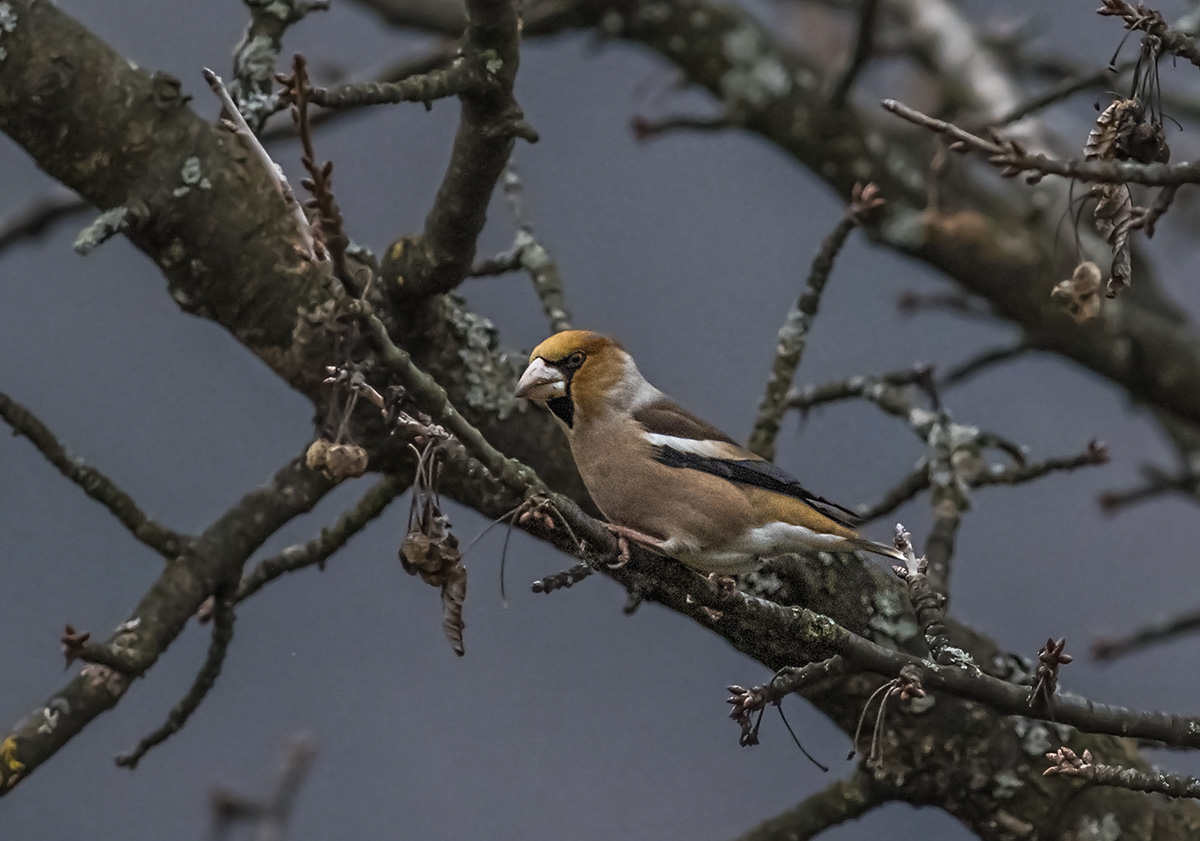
column 666, row 479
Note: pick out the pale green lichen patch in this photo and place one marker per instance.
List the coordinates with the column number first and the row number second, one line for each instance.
column 1104, row 828
column 890, row 619
column 1034, row 736
column 8, row 22
column 1005, row 785
column 756, row 76
column 489, row 371
column 190, row 173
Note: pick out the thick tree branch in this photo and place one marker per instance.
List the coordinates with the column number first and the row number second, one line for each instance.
column 437, row 261
column 213, row 557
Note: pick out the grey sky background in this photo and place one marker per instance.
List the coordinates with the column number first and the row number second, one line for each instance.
column 566, row 719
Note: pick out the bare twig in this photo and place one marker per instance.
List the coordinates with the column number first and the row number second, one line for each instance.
column 1157, row 483
column 534, row 256
column 1066, row 88
column 222, row 635
column 811, row 396
column 439, row 83
column 929, row 605
column 242, row 129
column 1146, row 218
column 793, row 335
column 562, row 580
column 373, row 503
column 39, row 217
column 968, row 368
column 645, row 128
column 907, row 489
column 868, row 14
column 746, row 702
column 330, row 227
column 1012, row 160
column 95, row 484
column 1069, row 764
column 1112, row 647
column 1096, row 453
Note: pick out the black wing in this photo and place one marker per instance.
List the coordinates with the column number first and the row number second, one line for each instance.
column 760, row 474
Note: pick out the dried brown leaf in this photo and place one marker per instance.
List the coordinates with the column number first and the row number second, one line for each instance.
column 1115, row 217
column 1104, row 137
column 454, row 593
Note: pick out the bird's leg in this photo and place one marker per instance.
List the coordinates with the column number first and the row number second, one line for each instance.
column 624, row 535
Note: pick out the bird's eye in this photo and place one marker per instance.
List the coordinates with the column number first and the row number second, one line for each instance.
column 575, row 359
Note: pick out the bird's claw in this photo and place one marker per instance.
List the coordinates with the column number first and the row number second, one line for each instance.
column 622, row 553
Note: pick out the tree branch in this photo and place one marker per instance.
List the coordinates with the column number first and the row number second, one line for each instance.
column 437, row 261
column 95, row 484
column 222, row 635
column 211, row 558
column 314, row 553
column 793, row 335
column 843, row 801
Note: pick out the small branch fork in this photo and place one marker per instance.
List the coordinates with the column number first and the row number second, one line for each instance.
column 440, row 257
column 1066, row 763
column 204, row 562
column 793, row 335
column 255, row 55
column 222, row 635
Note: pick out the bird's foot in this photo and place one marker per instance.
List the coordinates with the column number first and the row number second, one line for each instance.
column 624, row 535
column 622, row 553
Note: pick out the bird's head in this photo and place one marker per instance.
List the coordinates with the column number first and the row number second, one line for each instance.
column 579, row 372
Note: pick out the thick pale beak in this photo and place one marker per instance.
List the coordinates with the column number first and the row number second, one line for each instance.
column 541, row 382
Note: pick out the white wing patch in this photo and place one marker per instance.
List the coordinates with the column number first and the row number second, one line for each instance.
column 709, row 448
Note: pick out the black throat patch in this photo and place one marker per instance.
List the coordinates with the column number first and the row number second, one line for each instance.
column 563, row 408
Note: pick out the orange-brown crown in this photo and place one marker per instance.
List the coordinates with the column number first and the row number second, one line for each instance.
column 561, row 345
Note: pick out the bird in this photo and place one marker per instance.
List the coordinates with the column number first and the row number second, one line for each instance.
column 669, row 481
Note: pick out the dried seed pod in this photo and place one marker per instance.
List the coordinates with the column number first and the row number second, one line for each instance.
column 345, row 461
column 317, row 451
column 430, row 549
column 1079, row 294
